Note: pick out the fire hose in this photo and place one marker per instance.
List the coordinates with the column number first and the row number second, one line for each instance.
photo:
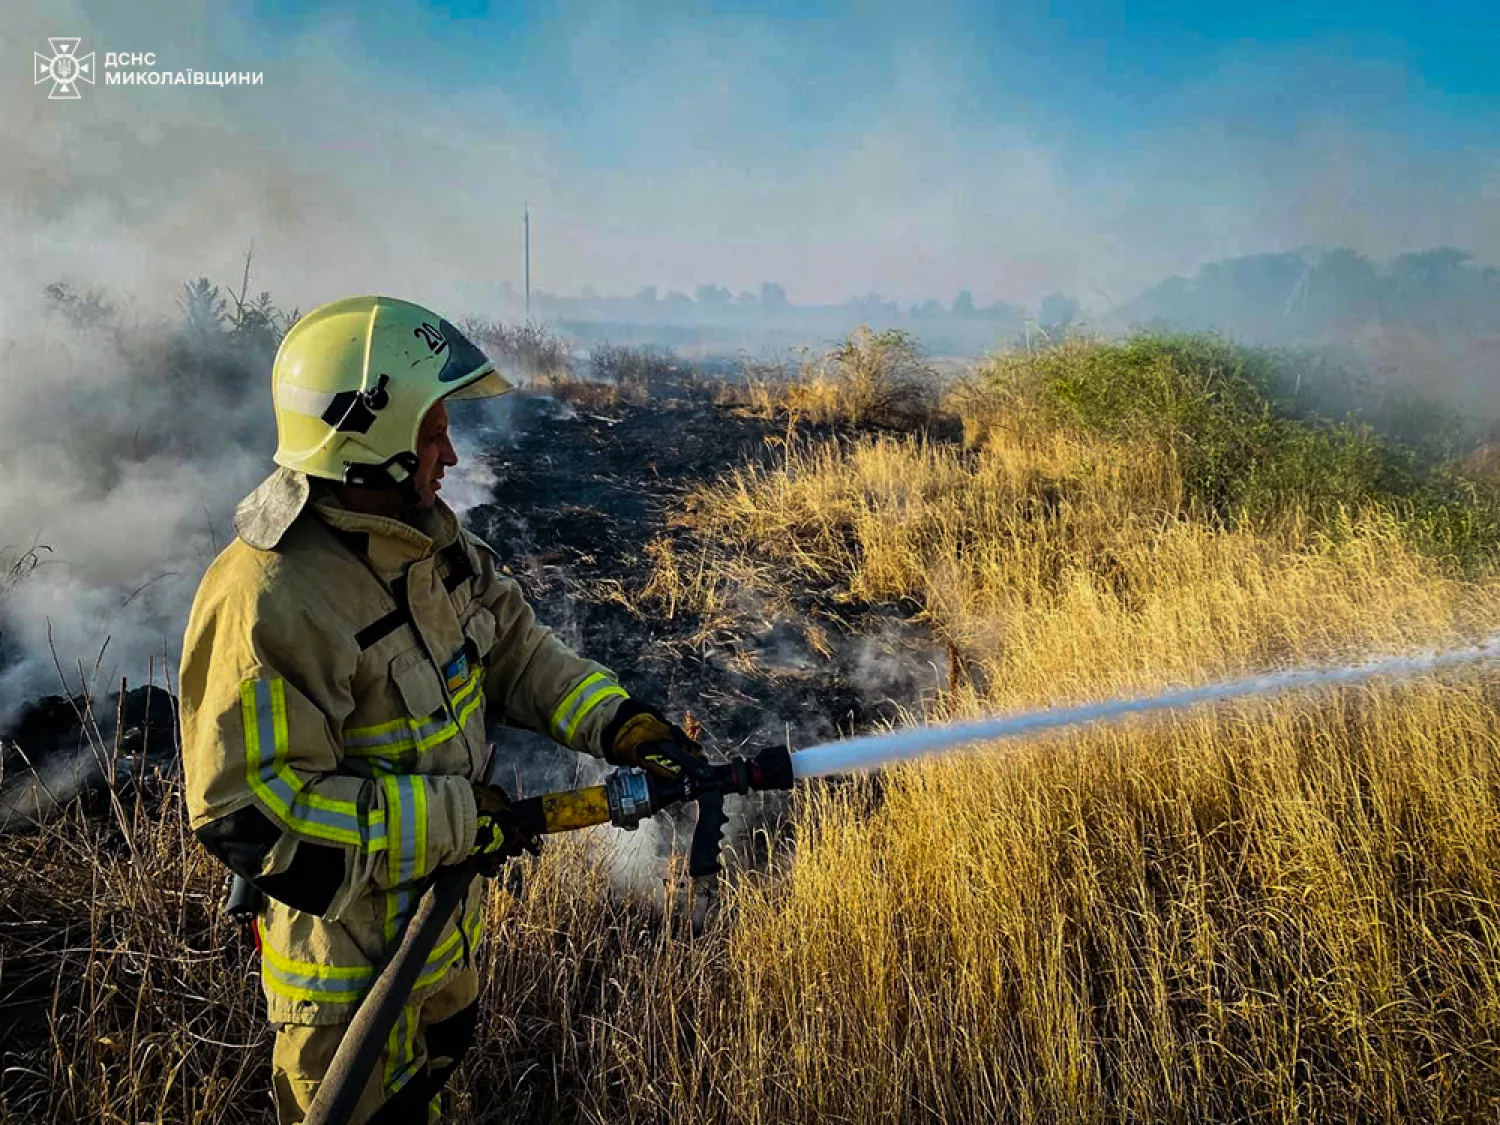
column 626, row 798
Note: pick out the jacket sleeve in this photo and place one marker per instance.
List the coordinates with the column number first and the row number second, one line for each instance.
column 534, row 680
column 264, row 690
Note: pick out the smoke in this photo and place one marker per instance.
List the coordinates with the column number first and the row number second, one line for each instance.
column 123, row 451
column 481, row 430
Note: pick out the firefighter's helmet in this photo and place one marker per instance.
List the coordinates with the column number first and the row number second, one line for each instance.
column 353, row 380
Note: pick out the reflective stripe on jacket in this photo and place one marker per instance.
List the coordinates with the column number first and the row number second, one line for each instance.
column 311, row 694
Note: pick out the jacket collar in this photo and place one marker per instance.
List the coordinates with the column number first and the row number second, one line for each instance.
column 263, row 517
column 390, row 544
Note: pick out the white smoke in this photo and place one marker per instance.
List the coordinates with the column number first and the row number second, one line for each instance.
column 123, row 453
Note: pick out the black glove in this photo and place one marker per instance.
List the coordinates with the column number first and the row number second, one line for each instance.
column 640, row 736
column 500, row 835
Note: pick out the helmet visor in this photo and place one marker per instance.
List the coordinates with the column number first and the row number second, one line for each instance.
column 486, row 383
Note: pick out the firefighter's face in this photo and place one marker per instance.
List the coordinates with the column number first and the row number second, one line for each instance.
column 434, row 455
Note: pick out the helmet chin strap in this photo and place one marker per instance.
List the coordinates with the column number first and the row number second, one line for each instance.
column 397, row 472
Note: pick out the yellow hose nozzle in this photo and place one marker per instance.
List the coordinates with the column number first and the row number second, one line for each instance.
column 574, row 809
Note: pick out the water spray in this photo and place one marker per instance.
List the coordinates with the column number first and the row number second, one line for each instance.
column 871, row 751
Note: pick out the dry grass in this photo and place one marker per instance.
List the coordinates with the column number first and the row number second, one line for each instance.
column 1283, row 911
column 1278, row 911
column 869, row 379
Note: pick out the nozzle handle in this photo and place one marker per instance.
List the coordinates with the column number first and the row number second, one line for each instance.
column 708, row 835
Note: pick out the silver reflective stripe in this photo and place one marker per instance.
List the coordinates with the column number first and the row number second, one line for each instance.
column 285, row 793
column 303, row 400
column 403, row 737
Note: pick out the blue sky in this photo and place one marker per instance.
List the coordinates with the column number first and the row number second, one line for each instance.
column 1096, row 66
column 837, row 148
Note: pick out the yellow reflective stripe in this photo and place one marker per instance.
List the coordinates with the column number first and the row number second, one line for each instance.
column 611, row 692
column 302, row 980
column 383, row 740
column 451, row 950
column 401, row 1051
column 366, row 733
column 329, row 984
column 458, row 696
column 313, row 968
column 314, row 995
column 378, row 729
column 571, row 698
column 405, row 815
column 419, row 837
column 397, row 735
column 463, row 716
column 281, row 789
column 394, row 832
column 594, row 690
column 442, row 734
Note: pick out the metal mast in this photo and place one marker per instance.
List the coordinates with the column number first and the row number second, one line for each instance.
column 526, row 221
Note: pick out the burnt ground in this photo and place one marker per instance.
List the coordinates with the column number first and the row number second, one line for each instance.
column 580, row 493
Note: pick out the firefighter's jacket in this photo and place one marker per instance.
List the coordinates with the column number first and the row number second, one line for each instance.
column 336, row 675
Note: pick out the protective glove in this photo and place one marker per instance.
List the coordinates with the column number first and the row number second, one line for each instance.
column 640, row 736
column 500, row 835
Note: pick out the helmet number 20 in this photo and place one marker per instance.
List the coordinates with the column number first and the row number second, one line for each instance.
column 430, row 336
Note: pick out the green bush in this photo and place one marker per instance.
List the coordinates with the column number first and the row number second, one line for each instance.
column 1250, row 447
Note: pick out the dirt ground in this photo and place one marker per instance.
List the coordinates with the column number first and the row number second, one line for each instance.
column 580, row 492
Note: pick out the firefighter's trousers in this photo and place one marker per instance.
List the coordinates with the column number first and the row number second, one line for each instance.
column 420, row 1056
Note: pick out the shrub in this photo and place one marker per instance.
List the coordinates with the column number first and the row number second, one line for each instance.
column 530, row 351
column 1228, row 414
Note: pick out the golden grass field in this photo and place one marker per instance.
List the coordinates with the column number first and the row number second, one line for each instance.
column 1280, row 911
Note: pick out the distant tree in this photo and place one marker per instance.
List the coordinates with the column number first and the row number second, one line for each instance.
column 963, row 304
column 713, row 296
column 203, row 306
column 254, row 322
column 259, row 322
column 1340, row 286
column 1442, row 289
column 772, row 296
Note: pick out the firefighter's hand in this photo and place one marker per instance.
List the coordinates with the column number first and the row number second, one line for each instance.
column 499, row 836
column 640, row 736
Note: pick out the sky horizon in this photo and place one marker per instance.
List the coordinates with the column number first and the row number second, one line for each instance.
column 835, row 149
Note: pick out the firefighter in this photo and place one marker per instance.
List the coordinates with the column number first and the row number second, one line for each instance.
column 342, row 658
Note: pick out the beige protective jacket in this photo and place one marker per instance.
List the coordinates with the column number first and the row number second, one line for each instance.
column 330, row 736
